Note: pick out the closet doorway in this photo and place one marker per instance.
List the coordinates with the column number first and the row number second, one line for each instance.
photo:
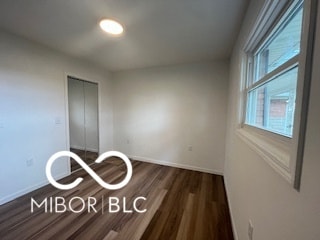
column 83, row 120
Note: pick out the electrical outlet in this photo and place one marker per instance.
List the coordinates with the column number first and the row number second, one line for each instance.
column 250, row 230
column 29, row 162
column 190, row 148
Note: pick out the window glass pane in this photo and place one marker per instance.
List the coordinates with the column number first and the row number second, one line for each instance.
column 271, row 106
column 283, row 46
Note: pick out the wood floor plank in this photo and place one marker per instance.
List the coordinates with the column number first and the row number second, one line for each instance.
column 112, row 235
column 134, row 229
column 184, row 226
column 200, row 227
column 181, row 205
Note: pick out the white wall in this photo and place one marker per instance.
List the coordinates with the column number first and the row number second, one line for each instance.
column 33, row 119
column 160, row 112
column 255, row 190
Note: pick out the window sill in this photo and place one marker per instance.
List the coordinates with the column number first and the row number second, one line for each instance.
column 274, row 151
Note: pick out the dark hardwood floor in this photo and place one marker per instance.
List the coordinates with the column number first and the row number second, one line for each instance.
column 181, row 204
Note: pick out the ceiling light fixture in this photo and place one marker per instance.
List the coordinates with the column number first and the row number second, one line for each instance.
column 111, row 26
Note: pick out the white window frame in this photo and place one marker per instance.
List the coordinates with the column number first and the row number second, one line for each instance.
column 284, row 154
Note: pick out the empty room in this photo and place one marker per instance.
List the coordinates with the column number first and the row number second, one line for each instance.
column 145, row 119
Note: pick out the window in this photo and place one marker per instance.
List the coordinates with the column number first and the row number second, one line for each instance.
column 272, row 74
column 276, row 82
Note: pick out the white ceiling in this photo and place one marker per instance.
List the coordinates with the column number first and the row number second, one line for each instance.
column 157, row 32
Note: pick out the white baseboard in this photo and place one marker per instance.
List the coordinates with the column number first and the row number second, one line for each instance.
column 234, row 229
column 82, row 148
column 77, row 147
column 177, row 165
column 28, row 189
column 92, row 150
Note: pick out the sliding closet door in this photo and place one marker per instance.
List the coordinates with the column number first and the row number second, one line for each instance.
column 83, row 120
column 76, row 114
column 91, row 116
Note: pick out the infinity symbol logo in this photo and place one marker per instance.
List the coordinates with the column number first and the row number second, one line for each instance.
column 89, row 170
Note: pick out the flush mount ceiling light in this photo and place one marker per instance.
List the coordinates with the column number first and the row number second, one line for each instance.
column 111, row 26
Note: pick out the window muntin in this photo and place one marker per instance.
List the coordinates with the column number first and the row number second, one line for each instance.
column 283, row 45
column 271, row 106
column 272, row 76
